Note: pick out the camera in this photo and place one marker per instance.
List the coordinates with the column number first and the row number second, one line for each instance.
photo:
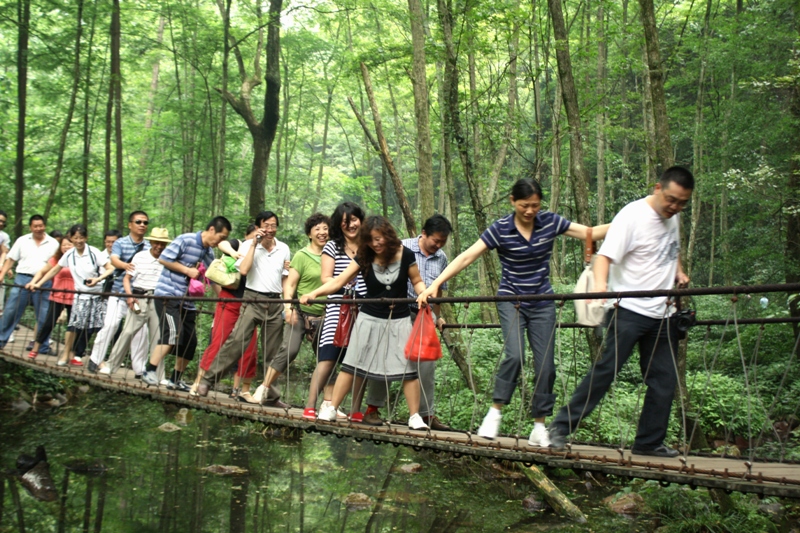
column 86, row 282
column 136, row 308
column 258, row 238
column 685, row 319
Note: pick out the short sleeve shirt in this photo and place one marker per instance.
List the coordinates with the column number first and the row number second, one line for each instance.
column 266, row 273
column 643, row 248
column 395, row 289
column 5, row 240
column 188, row 250
column 83, row 266
column 525, row 262
column 30, row 256
column 430, row 266
column 147, row 270
column 124, row 249
column 309, row 266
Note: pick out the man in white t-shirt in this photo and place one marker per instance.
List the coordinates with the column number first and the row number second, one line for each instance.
column 29, row 253
column 5, row 246
column 263, row 262
column 640, row 252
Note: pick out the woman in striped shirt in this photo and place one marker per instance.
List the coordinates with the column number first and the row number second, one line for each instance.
column 524, row 243
column 337, row 254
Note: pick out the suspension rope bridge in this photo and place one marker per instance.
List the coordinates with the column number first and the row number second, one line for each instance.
column 768, row 474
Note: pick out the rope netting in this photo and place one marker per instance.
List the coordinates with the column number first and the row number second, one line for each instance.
column 736, row 388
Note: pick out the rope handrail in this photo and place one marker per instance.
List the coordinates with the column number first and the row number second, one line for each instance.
column 700, row 291
column 773, row 320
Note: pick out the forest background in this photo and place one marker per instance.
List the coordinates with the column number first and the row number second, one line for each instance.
column 190, row 109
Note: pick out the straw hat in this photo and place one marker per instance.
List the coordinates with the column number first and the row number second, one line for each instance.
column 160, row 235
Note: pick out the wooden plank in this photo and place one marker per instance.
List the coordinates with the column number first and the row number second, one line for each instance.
column 768, row 478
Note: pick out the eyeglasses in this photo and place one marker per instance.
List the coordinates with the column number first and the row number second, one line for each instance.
column 141, row 222
column 2, row 221
column 269, row 226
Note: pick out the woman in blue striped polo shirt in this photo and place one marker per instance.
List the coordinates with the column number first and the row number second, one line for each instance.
column 524, row 243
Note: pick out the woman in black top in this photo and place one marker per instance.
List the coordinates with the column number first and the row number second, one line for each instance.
column 380, row 333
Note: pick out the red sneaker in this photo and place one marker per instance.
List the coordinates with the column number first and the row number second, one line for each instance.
column 32, row 354
column 356, row 417
column 75, row 361
column 310, row 413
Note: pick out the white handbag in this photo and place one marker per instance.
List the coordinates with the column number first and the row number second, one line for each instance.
column 588, row 312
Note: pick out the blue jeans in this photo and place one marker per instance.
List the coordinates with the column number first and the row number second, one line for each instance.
column 18, row 300
column 658, row 345
column 538, row 324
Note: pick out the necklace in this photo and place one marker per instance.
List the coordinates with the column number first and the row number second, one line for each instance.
column 349, row 250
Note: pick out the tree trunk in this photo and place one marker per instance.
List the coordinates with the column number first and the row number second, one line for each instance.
column 419, row 83
column 557, row 499
column 663, row 145
column 87, row 129
column 109, row 134
column 24, row 18
column 602, row 116
column 324, row 145
column 500, row 158
column 556, row 175
column 405, row 208
column 62, row 141
column 116, row 83
column 148, row 116
column 578, row 174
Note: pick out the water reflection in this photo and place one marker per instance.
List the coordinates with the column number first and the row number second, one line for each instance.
column 119, row 467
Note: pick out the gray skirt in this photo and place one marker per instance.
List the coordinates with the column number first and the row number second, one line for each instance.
column 87, row 313
column 376, row 349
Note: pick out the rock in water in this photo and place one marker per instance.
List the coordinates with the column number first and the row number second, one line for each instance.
column 183, row 416
column 628, row 504
column 411, row 468
column 168, row 427
column 357, row 501
column 34, row 475
column 533, row 504
column 225, row 470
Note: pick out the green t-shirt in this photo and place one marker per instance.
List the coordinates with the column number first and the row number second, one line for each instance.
column 309, row 266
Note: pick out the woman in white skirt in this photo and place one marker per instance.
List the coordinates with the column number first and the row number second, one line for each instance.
column 381, row 331
column 88, row 272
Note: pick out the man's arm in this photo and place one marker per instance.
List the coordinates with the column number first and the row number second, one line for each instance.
column 681, row 279
column 180, row 269
column 7, row 266
column 600, row 270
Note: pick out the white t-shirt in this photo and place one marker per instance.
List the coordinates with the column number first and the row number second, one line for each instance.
column 148, row 270
column 643, row 247
column 83, row 267
column 29, row 255
column 266, row 274
column 5, row 240
column 103, row 257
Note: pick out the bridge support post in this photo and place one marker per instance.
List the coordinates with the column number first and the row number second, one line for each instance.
column 557, row 500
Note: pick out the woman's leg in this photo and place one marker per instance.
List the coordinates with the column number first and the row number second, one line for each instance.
column 411, row 390
column 343, row 384
column 319, row 380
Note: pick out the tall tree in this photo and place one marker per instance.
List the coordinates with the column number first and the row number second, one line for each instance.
column 578, row 173
column 116, row 84
column 261, row 131
column 73, row 97
column 419, row 83
column 24, row 18
column 663, row 144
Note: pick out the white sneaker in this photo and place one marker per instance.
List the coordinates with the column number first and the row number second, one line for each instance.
column 11, row 338
column 261, row 391
column 165, row 382
column 105, row 370
column 539, row 438
column 341, row 415
column 324, row 404
column 150, row 378
column 327, row 413
column 490, row 425
column 416, row 422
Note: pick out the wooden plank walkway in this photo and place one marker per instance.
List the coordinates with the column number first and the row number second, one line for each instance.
column 774, row 479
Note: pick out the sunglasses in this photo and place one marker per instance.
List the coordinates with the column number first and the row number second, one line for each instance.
column 141, row 222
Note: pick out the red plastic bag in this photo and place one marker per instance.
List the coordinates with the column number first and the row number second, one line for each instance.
column 347, row 319
column 423, row 344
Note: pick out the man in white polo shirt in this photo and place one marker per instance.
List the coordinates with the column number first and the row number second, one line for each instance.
column 262, row 262
column 30, row 253
column 140, row 280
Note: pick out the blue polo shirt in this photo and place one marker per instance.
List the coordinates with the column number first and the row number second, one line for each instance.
column 526, row 263
column 188, row 250
column 125, row 249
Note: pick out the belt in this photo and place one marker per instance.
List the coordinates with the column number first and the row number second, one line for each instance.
column 267, row 294
column 25, row 274
column 137, row 290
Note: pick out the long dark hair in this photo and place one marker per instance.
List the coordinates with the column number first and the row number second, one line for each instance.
column 525, row 188
column 366, row 255
column 343, row 212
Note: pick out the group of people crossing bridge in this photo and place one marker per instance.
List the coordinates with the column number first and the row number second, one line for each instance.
column 350, row 254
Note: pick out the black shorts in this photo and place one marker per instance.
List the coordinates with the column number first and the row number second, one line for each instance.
column 178, row 327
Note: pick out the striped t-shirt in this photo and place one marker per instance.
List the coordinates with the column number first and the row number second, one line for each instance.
column 526, row 263
column 341, row 262
column 188, row 250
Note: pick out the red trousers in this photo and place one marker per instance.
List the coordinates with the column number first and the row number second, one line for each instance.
column 225, row 316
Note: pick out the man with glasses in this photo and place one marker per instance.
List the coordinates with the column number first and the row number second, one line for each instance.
column 5, row 244
column 263, row 262
column 30, row 253
column 640, row 252
column 122, row 252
